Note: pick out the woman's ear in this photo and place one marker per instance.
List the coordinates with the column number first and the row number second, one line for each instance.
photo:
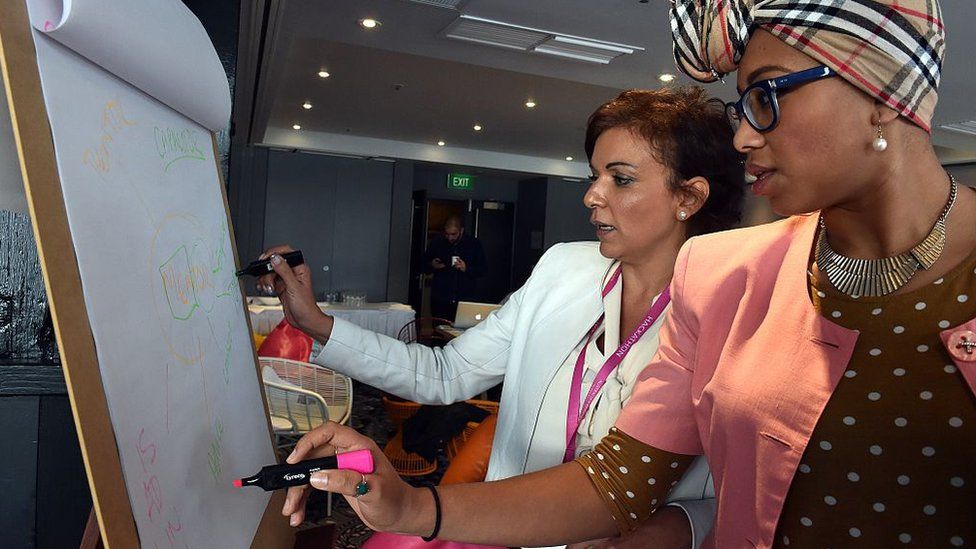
column 883, row 114
column 692, row 195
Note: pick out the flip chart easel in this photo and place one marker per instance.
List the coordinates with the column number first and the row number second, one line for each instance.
column 41, row 144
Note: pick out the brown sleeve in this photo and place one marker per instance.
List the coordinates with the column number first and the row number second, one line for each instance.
column 632, row 478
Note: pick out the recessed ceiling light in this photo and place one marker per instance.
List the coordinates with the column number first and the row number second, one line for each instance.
column 296, row 127
column 477, row 127
column 440, row 143
column 569, row 159
column 369, row 23
column 307, row 105
column 530, row 104
column 666, row 78
column 324, row 74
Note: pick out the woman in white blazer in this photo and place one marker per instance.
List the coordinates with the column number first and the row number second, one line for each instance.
column 663, row 170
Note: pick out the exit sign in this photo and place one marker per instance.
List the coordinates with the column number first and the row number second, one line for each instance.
column 460, row 181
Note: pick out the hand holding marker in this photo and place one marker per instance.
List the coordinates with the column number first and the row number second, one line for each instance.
column 263, row 266
column 274, row 477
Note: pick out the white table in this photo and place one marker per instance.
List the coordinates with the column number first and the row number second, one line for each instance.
column 384, row 318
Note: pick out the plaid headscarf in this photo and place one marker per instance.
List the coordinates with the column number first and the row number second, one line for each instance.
column 890, row 49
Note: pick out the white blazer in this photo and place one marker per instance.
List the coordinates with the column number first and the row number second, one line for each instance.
column 523, row 344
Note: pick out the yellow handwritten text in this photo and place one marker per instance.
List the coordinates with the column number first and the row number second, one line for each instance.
column 99, row 157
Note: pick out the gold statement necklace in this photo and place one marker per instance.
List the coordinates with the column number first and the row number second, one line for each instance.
column 880, row 277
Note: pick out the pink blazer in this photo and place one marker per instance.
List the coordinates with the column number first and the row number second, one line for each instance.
column 745, row 368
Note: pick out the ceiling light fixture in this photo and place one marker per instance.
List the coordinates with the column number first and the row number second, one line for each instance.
column 477, row 127
column 569, row 159
column 529, row 40
column 530, row 104
column 369, row 23
column 296, row 127
column 666, row 78
column 324, row 73
column 582, row 49
column 447, row 4
column 307, row 105
column 441, row 143
column 967, row 127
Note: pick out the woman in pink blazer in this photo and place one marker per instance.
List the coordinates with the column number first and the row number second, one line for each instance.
column 825, row 364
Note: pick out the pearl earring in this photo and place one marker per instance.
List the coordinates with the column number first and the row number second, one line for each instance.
column 880, row 143
column 682, row 215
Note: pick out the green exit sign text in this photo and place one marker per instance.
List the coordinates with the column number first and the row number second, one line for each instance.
column 460, row 181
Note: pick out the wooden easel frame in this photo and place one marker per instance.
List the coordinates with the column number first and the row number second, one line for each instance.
column 62, row 280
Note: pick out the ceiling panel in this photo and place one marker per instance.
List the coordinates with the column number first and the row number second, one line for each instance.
column 406, row 81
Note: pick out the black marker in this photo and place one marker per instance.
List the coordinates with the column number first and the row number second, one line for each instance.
column 263, row 266
column 274, row 477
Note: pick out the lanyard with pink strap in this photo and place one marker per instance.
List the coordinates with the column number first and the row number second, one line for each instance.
column 575, row 412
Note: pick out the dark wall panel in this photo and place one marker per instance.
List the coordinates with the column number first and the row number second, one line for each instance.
column 300, row 209
column 567, row 220
column 338, row 211
column 63, row 499
column 361, row 242
column 401, row 224
column 18, row 468
column 530, row 226
column 246, row 198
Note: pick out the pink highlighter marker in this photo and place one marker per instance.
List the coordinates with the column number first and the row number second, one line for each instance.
column 274, row 477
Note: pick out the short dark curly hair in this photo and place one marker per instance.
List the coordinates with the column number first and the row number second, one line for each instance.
column 688, row 133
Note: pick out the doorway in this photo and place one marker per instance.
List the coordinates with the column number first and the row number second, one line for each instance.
column 491, row 222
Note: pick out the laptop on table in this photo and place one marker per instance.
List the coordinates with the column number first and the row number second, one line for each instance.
column 470, row 313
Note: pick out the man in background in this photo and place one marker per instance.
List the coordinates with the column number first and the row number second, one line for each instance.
column 456, row 261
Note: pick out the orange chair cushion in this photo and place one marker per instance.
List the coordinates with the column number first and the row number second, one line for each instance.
column 471, row 462
column 286, row 341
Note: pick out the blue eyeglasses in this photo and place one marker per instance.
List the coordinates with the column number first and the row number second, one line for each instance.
column 758, row 104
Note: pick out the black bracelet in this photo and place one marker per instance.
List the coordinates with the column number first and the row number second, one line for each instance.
column 437, row 516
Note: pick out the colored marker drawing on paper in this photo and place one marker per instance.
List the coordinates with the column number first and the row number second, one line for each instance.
column 152, row 493
column 192, row 276
column 174, row 145
column 221, row 254
column 201, row 261
column 215, row 455
column 232, row 287
column 154, row 497
column 113, row 122
column 188, row 280
column 228, row 353
column 174, row 527
column 178, row 283
column 147, row 451
column 166, row 521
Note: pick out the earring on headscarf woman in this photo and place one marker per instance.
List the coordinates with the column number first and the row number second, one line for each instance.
column 880, row 143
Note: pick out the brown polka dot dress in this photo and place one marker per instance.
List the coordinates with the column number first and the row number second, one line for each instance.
column 632, row 478
column 892, row 461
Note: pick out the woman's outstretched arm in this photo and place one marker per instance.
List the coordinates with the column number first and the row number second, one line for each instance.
column 555, row 506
